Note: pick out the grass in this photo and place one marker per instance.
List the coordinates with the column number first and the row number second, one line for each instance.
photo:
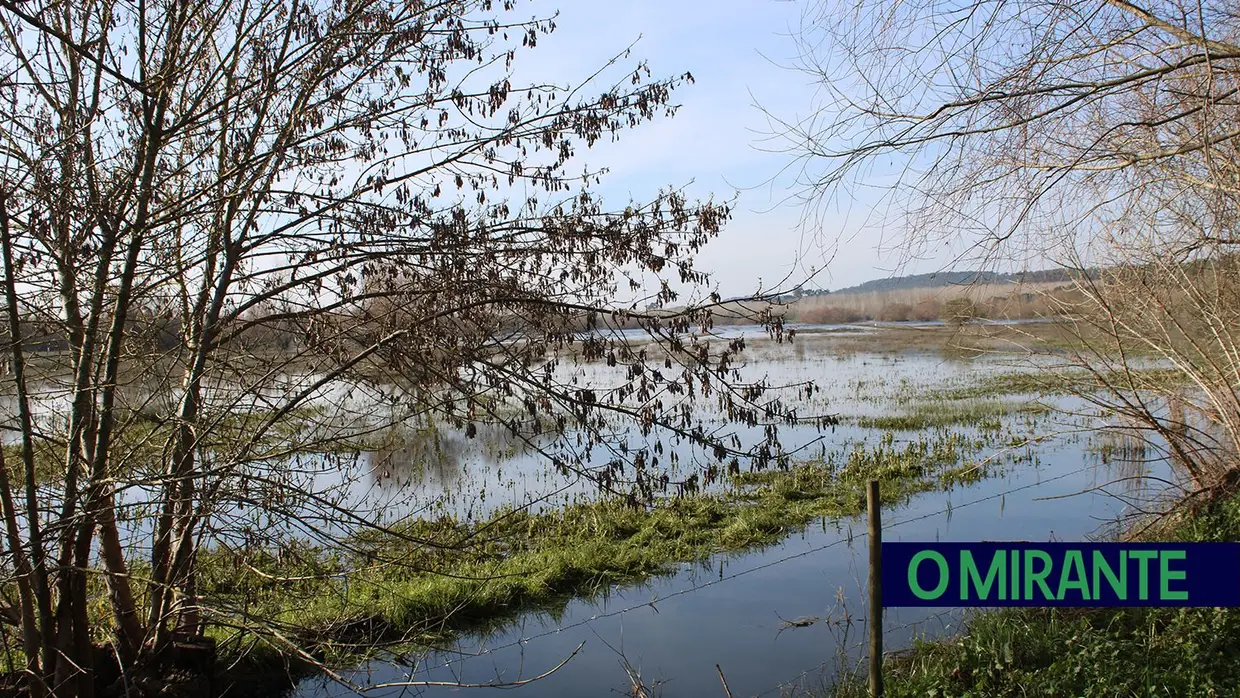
column 1006, row 300
column 386, row 590
column 1063, row 382
column 985, row 414
column 1083, row 652
column 1051, row 337
column 46, row 460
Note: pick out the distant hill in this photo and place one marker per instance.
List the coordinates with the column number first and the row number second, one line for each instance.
column 958, row 278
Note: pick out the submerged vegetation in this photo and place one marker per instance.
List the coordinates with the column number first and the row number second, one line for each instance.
column 369, row 593
column 986, row 415
column 1064, row 381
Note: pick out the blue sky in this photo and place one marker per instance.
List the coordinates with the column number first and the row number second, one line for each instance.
column 734, row 49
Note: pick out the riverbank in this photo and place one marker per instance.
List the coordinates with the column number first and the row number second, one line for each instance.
column 1102, row 652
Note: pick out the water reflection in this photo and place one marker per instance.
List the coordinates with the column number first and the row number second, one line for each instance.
column 733, row 610
column 439, row 458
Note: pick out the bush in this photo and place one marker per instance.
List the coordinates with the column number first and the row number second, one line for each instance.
column 895, row 312
column 961, row 311
column 829, row 315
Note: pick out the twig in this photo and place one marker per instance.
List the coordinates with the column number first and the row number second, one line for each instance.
column 724, row 680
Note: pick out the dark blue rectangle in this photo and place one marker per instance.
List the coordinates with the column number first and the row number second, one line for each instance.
column 1076, row 574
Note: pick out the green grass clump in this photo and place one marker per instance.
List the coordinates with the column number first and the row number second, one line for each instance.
column 1083, row 652
column 986, row 415
column 1068, row 652
column 427, row 579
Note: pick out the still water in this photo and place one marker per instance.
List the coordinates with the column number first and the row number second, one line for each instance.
column 733, row 612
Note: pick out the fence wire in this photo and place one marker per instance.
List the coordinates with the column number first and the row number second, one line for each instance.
column 851, row 537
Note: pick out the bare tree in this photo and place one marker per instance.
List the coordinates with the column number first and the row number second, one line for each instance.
column 1001, row 122
column 1102, row 134
column 236, row 220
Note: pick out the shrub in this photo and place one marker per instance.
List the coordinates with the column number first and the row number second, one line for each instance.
column 895, row 312
column 961, row 311
column 829, row 315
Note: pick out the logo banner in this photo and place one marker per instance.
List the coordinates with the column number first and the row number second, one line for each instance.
column 1060, row 574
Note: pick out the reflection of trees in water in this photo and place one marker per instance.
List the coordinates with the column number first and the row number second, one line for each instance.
column 1129, row 457
column 439, row 457
column 1133, row 451
column 1200, row 432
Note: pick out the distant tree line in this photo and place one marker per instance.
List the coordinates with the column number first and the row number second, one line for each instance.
column 966, row 278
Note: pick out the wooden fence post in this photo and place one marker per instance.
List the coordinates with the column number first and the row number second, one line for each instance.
column 876, row 589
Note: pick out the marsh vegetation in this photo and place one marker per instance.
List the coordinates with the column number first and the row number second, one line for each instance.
column 592, row 567
column 482, row 536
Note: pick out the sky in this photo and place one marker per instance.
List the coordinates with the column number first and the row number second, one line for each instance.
column 740, row 53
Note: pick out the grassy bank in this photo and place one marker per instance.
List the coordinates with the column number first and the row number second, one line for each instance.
column 384, row 591
column 1083, row 652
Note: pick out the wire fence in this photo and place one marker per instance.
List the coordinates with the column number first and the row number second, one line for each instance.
column 844, row 653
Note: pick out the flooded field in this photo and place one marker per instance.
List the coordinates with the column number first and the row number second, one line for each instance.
column 737, row 612
column 1024, row 466
column 786, row 616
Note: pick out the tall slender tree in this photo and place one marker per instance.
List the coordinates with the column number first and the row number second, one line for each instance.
column 219, row 217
